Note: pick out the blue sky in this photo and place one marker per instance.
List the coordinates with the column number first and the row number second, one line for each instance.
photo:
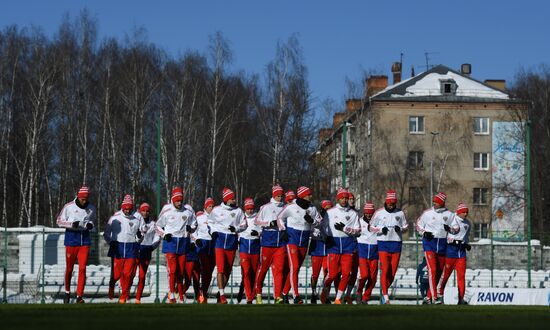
column 339, row 38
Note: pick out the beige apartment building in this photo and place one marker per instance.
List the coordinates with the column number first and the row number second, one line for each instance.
column 436, row 131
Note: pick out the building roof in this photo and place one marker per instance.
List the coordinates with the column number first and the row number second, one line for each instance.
column 427, row 87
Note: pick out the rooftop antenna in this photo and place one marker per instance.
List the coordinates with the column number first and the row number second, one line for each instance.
column 426, row 54
column 427, row 57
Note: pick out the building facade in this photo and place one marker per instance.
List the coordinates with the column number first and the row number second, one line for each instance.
column 432, row 132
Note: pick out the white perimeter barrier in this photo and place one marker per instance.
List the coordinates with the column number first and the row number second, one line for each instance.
column 498, row 296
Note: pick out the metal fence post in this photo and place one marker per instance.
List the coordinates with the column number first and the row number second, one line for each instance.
column 231, row 284
column 5, row 280
column 417, row 263
column 159, row 128
column 528, row 185
column 307, row 286
column 43, row 299
column 492, row 259
column 268, row 286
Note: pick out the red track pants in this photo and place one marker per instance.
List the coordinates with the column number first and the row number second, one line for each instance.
column 388, row 264
column 354, row 270
column 224, row 261
column 273, row 257
column 339, row 263
column 125, row 271
column 318, row 262
column 368, row 275
column 249, row 267
column 72, row 254
column 192, row 275
column 143, row 265
column 176, row 272
column 208, row 262
column 460, row 265
column 296, row 257
column 436, row 264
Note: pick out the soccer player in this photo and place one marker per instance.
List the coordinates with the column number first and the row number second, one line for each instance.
column 205, row 248
column 368, row 256
column 433, row 226
column 318, row 252
column 290, row 196
column 174, row 226
column 149, row 243
column 341, row 226
column 355, row 262
column 455, row 257
column 227, row 221
column 273, row 241
column 170, row 205
column 124, row 229
column 249, row 250
column 389, row 224
column 192, row 271
column 297, row 219
column 77, row 217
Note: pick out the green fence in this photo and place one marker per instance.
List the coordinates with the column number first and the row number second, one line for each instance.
column 33, row 267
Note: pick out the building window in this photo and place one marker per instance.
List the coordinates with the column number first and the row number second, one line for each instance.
column 481, row 161
column 481, row 126
column 480, row 196
column 414, row 161
column 448, row 87
column 480, row 230
column 415, row 195
column 416, row 125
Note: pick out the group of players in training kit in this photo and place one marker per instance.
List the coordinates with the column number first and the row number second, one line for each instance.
column 340, row 241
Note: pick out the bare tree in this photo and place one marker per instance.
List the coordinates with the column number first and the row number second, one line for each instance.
column 40, row 83
column 219, row 121
column 11, row 44
column 534, row 85
column 288, row 95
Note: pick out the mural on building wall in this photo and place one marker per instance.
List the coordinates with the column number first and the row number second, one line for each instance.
column 508, row 168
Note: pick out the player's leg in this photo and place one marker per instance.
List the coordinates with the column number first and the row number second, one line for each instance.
column 70, row 260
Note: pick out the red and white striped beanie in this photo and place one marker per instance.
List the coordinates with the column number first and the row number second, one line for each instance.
column 144, row 207
column 249, row 203
column 290, row 196
column 391, row 196
column 326, row 204
column 342, row 193
column 208, row 202
column 227, row 194
column 127, row 202
column 277, row 191
column 440, row 198
column 83, row 192
column 303, row 192
column 368, row 208
column 461, row 208
column 177, row 194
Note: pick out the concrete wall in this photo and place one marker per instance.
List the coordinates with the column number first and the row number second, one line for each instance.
column 25, row 253
column 506, row 255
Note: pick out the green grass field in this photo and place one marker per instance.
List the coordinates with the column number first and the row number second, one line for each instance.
column 286, row 317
